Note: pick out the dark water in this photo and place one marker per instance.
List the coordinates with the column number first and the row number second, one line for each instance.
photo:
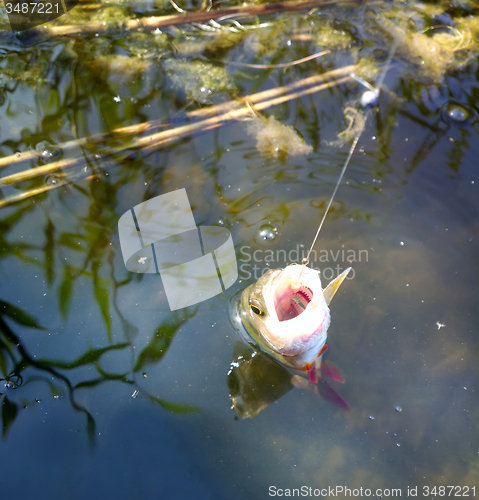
column 107, row 393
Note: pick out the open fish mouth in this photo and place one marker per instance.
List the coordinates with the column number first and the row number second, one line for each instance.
column 286, row 313
column 289, row 303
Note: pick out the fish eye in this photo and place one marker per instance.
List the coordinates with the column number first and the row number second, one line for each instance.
column 256, row 310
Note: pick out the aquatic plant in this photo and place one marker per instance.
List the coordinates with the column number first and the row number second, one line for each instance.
column 276, row 139
column 114, row 86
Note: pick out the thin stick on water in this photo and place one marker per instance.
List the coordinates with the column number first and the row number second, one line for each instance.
column 274, row 66
column 376, row 91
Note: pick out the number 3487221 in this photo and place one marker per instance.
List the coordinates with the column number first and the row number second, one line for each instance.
column 32, row 8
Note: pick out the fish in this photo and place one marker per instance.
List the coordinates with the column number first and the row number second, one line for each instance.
column 286, row 314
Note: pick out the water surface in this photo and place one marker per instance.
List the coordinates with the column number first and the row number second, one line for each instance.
column 106, row 392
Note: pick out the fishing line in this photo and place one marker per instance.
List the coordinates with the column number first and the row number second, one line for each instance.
column 345, row 166
column 368, row 98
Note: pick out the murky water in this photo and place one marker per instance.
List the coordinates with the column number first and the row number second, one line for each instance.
column 106, row 392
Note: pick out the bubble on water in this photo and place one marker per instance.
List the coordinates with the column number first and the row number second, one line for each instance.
column 457, row 114
column 48, row 152
column 12, row 381
column 267, row 233
column 52, row 180
column 454, row 113
column 221, row 222
column 398, row 409
column 202, row 94
column 369, row 98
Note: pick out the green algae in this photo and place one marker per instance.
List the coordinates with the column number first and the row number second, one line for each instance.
column 123, row 68
column 111, row 16
column 202, row 81
column 274, row 139
column 334, row 34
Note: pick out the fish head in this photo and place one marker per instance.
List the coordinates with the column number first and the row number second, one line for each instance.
column 286, row 313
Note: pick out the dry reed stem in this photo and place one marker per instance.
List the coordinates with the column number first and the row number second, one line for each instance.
column 221, row 114
column 154, row 141
column 195, row 17
column 33, row 173
column 205, row 120
column 27, row 194
column 39, row 190
column 90, row 141
column 131, row 130
column 274, row 66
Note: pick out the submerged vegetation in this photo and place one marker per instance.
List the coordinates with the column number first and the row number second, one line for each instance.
column 252, row 108
column 92, row 102
column 276, row 139
column 136, row 60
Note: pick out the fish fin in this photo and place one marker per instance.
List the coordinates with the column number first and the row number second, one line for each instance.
column 324, row 390
column 323, row 350
column 332, row 288
column 312, row 372
column 332, row 371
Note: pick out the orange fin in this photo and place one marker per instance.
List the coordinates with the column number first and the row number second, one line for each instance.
column 323, row 350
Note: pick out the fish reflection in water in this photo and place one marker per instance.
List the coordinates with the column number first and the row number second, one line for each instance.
column 255, row 380
column 285, row 315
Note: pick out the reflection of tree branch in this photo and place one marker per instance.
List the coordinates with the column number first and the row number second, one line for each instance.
column 162, row 339
column 420, row 121
column 152, row 353
column 424, row 149
column 4, row 346
column 456, row 153
column 436, row 133
column 28, row 360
